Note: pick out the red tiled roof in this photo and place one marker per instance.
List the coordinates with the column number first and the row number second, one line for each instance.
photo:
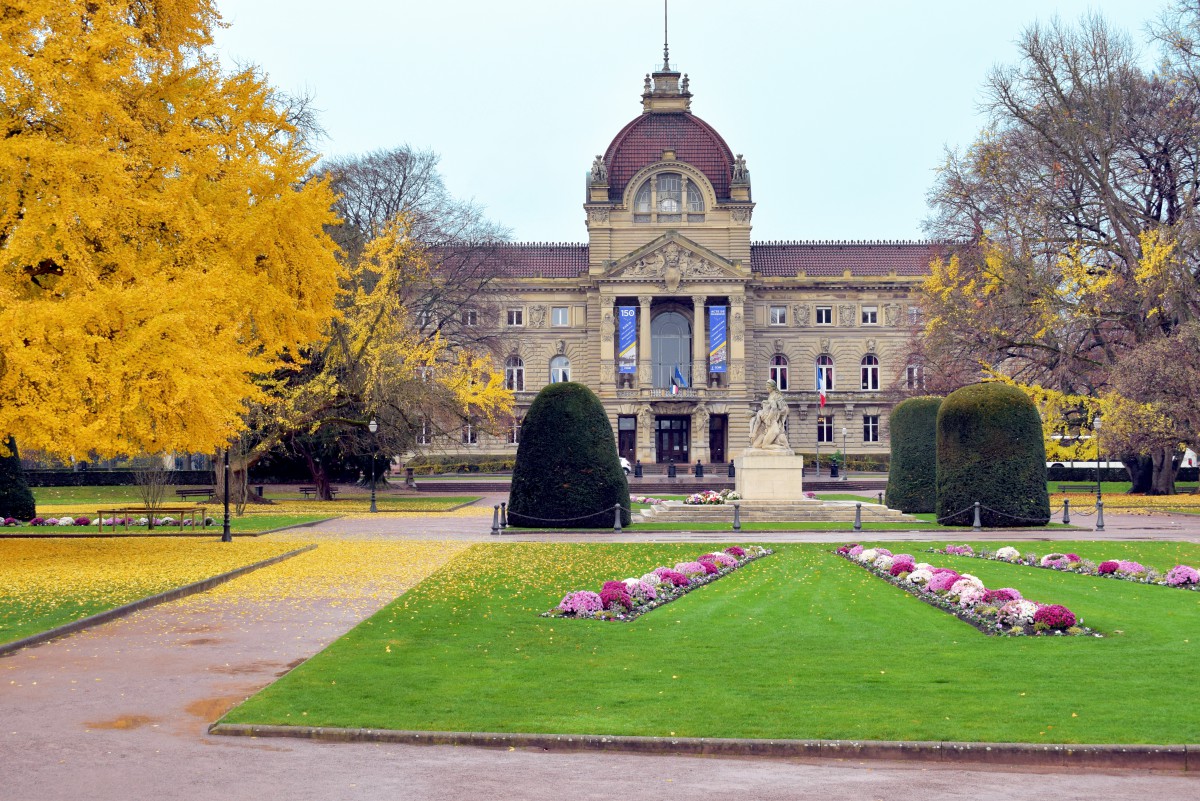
column 541, row 259
column 789, row 259
column 643, row 141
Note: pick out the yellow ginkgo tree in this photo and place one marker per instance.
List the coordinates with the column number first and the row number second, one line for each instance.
column 162, row 245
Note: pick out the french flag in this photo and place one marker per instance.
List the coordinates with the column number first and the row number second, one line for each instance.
column 821, row 386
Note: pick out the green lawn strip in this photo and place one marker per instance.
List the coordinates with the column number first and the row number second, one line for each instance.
column 247, row 524
column 798, row 645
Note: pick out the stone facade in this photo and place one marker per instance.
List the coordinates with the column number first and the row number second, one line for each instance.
column 669, row 215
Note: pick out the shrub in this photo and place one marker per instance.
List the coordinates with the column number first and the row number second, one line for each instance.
column 990, row 449
column 912, row 477
column 1181, row 575
column 567, row 468
column 16, row 499
column 1054, row 616
column 1107, row 567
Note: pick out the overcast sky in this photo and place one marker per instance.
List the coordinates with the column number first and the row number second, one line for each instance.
column 843, row 111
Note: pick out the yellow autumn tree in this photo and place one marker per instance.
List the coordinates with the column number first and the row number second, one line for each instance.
column 161, row 245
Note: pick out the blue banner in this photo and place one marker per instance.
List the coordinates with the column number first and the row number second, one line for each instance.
column 627, row 339
column 716, row 339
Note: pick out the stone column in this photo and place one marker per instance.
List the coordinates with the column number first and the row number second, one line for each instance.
column 737, row 341
column 699, row 338
column 645, row 363
column 608, row 357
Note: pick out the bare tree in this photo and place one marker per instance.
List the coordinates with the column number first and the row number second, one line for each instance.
column 152, row 479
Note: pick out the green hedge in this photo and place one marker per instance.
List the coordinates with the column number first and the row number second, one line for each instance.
column 426, row 465
column 990, row 449
column 912, row 479
column 567, row 473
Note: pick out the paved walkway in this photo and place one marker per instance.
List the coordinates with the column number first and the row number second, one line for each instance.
column 122, row 711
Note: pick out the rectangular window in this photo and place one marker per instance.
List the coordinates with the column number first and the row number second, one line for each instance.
column 424, row 318
column 516, row 317
column 424, row 433
column 870, row 428
column 469, row 317
column 870, row 315
column 915, row 377
column 514, row 432
column 470, row 435
column 914, row 315
column 778, row 315
column 560, row 316
column 824, row 315
column 824, row 429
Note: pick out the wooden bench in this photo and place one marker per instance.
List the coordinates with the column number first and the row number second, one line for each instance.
column 203, row 492
column 309, row 492
column 195, row 515
column 1090, row 489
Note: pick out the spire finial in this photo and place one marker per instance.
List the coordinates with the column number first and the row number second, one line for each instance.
column 666, row 49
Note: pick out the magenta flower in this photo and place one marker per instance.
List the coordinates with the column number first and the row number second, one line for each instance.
column 735, row 551
column 1055, row 616
column 942, row 581
column 1001, row 596
column 1182, row 575
column 1105, row 568
column 616, row 599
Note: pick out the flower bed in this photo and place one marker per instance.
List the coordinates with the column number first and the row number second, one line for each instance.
column 1183, row 577
column 83, row 520
column 992, row 611
column 646, row 499
column 712, row 497
column 629, row 599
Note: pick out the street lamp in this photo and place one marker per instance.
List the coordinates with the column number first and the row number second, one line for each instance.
column 844, row 455
column 225, row 535
column 1096, row 428
column 373, row 427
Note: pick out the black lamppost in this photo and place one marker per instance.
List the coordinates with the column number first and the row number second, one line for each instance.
column 1096, row 428
column 225, row 535
column 373, row 427
column 845, row 456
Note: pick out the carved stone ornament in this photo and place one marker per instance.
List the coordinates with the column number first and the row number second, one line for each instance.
column 846, row 315
column 891, row 314
column 561, row 347
column 738, row 330
column 598, row 215
column 778, row 345
column 800, row 314
column 645, row 374
column 607, row 327
column 870, row 346
column 645, row 300
column 672, row 264
column 740, row 173
column 606, row 372
column 737, row 370
column 825, row 342
column 599, row 171
column 741, row 215
column 646, row 418
column 537, row 317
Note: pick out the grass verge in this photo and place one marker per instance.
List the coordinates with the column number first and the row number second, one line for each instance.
column 799, row 645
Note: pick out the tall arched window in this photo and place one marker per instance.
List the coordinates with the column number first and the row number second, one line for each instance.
column 666, row 198
column 560, row 369
column 779, row 371
column 870, row 371
column 514, row 374
column 825, row 371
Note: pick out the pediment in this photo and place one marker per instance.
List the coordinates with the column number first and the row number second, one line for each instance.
column 672, row 259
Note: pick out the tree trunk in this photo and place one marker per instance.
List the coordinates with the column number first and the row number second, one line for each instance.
column 320, row 476
column 239, row 471
column 1141, row 474
column 1164, row 471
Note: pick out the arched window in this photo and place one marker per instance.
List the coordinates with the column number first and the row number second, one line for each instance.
column 560, row 369
column 514, row 374
column 666, row 198
column 870, row 371
column 825, row 371
column 779, row 370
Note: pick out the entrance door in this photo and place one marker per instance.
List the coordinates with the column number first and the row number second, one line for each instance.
column 716, row 437
column 627, row 437
column 671, row 435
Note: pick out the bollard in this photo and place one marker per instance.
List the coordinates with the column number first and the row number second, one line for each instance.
column 737, row 517
column 408, row 478
column 496, row 520
column 880, row 496
column 731, row 471
column 637, row 469
column 617, row 517
column 699, row 469
column 977, row 524
column 1099, row 515
column 858, row 517
column 671, row 469
column 1066, row 511
column 503, row 515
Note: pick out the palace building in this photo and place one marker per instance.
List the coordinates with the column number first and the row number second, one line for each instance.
column 677, row 319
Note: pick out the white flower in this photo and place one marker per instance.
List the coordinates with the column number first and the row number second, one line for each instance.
column 65, row 521
column 1008, row 553
column 884, row 563
column 919, row 576
column 868, row 556
column 922, row 566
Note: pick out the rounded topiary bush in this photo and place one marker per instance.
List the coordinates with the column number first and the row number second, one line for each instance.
column 567, row 473
column 16, row 499
column 990, row 449
column 912, row 474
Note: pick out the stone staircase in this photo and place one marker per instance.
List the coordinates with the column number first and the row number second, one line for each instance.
column 773, row 512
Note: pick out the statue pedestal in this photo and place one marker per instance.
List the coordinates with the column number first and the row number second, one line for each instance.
column 769, row 476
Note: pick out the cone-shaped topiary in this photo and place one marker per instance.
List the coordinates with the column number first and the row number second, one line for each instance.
column 990, row 449
column 567, row 474
column 912, row 474
column 16, row 499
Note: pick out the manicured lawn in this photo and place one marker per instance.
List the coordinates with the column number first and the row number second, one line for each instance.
column 802, row 644
column 45, row 583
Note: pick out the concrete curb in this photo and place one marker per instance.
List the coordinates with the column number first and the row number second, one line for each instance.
column 144, row 603
column 1139, row 757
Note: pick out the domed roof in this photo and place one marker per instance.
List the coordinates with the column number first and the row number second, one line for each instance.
column 643, row 141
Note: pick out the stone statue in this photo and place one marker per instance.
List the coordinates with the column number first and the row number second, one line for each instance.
column 599, row 171
column 767, row 427
column 740, row 173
